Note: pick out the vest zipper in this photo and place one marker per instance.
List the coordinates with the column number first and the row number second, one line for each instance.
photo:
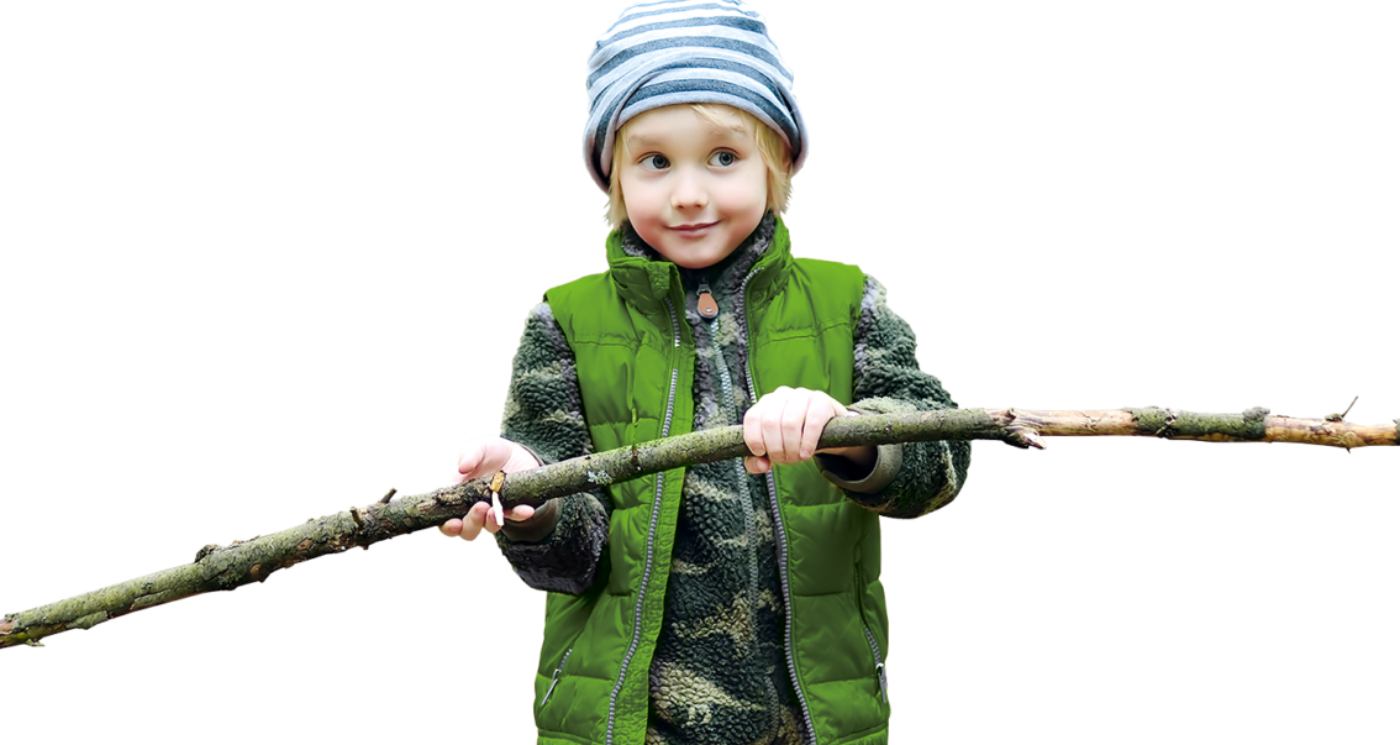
column 726, row 386
column 651, row 534
column 557, row 671
column 879, row 666
column 780, row 534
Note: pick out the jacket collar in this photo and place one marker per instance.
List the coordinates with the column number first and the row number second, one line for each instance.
column 646, row 279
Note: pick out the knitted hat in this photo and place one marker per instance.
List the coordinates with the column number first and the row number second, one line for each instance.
column 686, row 51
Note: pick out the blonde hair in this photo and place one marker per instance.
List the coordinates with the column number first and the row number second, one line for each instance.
column 771, row 147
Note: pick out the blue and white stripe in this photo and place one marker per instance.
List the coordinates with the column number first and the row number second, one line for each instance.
column 686, row 51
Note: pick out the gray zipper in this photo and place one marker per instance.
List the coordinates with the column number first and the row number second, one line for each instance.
column 725, row 385
column 879, row 666
column 651, row 534
column 557, row 671
column 780, row 534
column 749, row 523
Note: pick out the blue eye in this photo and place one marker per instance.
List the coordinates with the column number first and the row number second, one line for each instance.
column 656, row 162
column 723, row 158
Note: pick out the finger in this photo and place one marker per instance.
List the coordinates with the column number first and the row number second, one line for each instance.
column 753, row 428
column 492, row 521
column 520, row 512
column 819, row 412
column 469, row 460
column 838, row 407
column 473, row 521
column 480, row 518
column 469, row 455
column 794, row 421
column 451, row 528
column 757, row 465
column 771, row 427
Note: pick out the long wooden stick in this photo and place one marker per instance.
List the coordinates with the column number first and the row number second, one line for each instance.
column 244, row 562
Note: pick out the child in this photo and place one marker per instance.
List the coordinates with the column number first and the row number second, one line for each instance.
column 732, row 602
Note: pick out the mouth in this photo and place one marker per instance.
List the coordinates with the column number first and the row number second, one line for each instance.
column 693, row 228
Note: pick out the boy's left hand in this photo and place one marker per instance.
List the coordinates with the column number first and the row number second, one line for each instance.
column 784, row 426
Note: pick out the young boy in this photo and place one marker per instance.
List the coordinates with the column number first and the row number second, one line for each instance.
column 733, row 602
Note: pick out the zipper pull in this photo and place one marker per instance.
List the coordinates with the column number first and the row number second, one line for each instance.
column 555, row 681
column 706, row 304
column 550, row 692
column 884, row 685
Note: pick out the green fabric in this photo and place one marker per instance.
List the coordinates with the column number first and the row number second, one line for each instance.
column 622, row 327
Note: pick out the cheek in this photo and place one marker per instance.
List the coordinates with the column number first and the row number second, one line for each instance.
column 644, row 213
column 758, row 181
column 640, row 202
column 749, row 194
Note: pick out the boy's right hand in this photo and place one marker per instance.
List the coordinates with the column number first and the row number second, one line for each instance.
column 480, row 459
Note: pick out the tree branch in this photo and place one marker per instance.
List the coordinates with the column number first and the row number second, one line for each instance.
column 243, row 562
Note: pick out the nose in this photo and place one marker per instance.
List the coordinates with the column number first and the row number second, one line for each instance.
column 689, row 191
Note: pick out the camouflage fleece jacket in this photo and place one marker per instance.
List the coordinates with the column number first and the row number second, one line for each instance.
column 718, row 674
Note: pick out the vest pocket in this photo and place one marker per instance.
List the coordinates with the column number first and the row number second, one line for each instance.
column 558, row 671
column 882, row 678
column 879, row 666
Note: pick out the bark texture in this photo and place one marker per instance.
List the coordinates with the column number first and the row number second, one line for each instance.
column 243, row 562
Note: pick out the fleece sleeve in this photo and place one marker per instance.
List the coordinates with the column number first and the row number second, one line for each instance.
column 911, row 479
column 559, row 550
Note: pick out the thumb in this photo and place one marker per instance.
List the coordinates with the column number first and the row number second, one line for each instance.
column 493, row 453
column 838, row 409
column 468, row 461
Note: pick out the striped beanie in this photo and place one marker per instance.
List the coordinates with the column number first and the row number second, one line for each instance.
column 686, row 51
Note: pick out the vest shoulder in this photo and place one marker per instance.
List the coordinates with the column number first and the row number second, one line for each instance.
column 588, row 286
column 832, row 267
column 832, row 278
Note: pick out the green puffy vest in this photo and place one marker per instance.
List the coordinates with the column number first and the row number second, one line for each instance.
column 635, row 362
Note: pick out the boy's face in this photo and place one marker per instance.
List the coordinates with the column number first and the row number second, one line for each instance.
column 694, row 191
